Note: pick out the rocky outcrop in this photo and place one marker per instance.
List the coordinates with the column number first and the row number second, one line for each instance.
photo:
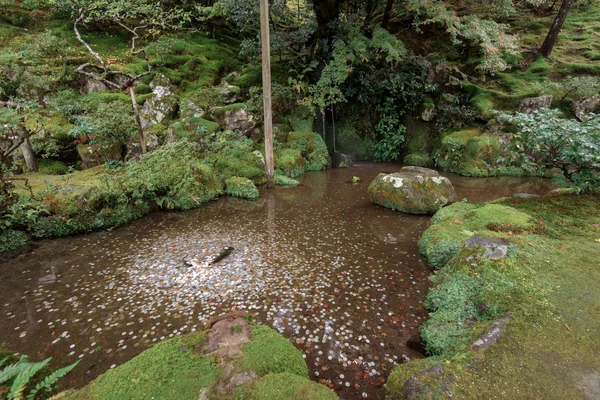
column 583, row 109
column 134, row 149
column 413, row 190
column 532, row 104
column 92, row 155
column 162, row 106
column 236, row 118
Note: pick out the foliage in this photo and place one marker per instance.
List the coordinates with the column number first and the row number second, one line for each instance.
column 546, row 138
column 109, row 123
column 52, row 167
column 419, row 160
column 573, row 87
column 241, row 187
column 17, row 377
column 313, row 149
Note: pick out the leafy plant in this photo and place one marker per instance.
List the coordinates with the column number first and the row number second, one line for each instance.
column 17, row 377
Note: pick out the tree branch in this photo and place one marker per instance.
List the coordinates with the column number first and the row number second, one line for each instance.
column 133, row 51
column 87, row 46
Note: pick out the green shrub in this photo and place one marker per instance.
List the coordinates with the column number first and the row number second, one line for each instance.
column 241, row 187
column 290, row 162
column 313, row 149
column 282, row 180
column 419, row 160
column 11, row 239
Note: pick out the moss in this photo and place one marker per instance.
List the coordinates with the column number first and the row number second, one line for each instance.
column 443, row 240
column 194, row 127
column 241, row 187
column 290, row 162
column 52, row 167
column 395, row 383
column 313, row 149
column 282, row 180
column 593, row 55
column 419, row 160
column 169, row 370
column 270, row 353
column 287, row 386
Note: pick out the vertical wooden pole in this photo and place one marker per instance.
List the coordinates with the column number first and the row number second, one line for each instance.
column 138, row 121
column 266, row 80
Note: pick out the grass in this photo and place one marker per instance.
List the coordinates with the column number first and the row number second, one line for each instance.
column 550, row 345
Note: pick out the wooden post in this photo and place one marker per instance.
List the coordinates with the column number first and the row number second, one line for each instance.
column 138, row 121
column 266, row 81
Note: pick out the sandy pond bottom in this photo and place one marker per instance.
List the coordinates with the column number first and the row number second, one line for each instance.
column 340, row 277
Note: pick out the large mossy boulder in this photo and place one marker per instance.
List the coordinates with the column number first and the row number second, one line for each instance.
column 236, row 118
column 312, row 147
column 413, row 190
column 162, row 106
column 233, row 359
column 290, row 162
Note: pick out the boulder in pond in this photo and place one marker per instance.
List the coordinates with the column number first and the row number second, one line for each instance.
column 413, row 190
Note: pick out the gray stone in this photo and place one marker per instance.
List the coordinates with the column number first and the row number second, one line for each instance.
column 228, row 94
column 341, row 160
column 134, row 150
column 235, row 119
column 258, row 154
column 495, row 248
column 492, row 335
column 532, row 104
column 162, row 106
column 413, row 190
column 428, row 114
column 93, row 86
column 191, row 110
column 583, row 109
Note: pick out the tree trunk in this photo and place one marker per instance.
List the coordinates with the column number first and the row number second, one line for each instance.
column 266, row 81
column 557, row 25
column 29, row 155
column 136, row 112
column 387, row 14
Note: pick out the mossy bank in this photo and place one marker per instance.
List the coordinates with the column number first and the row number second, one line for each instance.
column 544, row 293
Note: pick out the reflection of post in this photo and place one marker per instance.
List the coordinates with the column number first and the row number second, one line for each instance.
column 271, row 216
column 266, row 77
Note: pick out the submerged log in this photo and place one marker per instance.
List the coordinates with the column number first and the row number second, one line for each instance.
column 226, row 251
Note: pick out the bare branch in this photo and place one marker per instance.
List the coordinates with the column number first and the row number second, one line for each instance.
column 87, row 46
column 133, row 51
column 81, row 71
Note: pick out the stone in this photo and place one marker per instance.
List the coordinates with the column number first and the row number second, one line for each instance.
column 428, row 114
column 583, row 109
column 92, row 155
column 189, row 109
column 495, row 248
column 162, row 105
column 258, row 154
column 413, row 190
column 236, row 119
column 524, row 195
column 355, row 179
column 532, row 104
column 93, row 86
column 134, row 150
column 228, row 94
column 492, row 335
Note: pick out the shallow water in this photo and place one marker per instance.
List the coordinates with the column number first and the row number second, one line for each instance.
column 339, row 276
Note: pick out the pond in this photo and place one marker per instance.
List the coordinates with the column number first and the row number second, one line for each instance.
column 339, row 276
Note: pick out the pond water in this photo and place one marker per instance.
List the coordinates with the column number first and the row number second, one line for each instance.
column 339, row 276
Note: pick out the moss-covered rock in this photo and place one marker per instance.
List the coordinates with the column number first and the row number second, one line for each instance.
column 92, row 155
column 241, row 187
column 282, row 180
column 233, row 359
column 52, row 167
column 312, row 147
column 194, row 128
column 458, row 222
column 290, row 162
column 419, row 160
column 413, row 190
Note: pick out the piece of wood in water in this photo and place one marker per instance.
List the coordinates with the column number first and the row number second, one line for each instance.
column 226, row 251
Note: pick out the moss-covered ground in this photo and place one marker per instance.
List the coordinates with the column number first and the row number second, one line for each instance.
column 180, row 368
column 549, row 283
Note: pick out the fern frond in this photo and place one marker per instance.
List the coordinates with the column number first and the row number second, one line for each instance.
column 13, row 369
column 51, row 379
column 18, row 386
column 3, row 361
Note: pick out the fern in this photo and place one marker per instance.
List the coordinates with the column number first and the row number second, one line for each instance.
column 12, row 370
column 18, row 386
column 50, row 380
column 3, row 361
